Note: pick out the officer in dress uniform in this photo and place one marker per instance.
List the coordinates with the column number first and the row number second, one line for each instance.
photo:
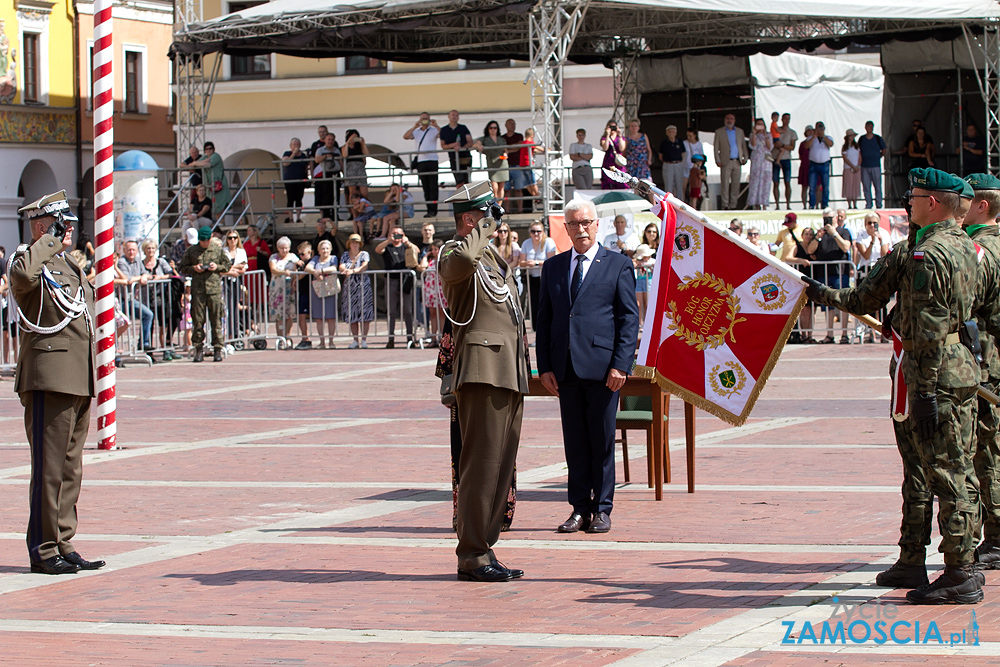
column 490, row 377
column 205, row 262
column 55, row 379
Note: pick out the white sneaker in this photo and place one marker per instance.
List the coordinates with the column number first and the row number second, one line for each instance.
column 364, row 344
column 353, row 345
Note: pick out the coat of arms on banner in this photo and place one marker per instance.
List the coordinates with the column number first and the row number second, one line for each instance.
column 720, row 314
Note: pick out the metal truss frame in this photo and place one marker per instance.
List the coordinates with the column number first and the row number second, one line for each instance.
column 547, row 33
column 989, row 85
column 553, row 26
column 626, row 106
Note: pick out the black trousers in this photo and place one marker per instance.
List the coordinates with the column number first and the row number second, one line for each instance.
column 587, row 409
column 428, row 171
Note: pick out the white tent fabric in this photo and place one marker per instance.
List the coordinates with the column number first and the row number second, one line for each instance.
column 842, row 95
column 875, row 9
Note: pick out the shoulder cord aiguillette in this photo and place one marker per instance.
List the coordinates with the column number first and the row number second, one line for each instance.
column 497, row 294
column 71, row 307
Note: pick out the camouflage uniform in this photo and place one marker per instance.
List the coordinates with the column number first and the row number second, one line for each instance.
column 206, row 291
column 869, row 296
column 987, row 452
column 936, row 296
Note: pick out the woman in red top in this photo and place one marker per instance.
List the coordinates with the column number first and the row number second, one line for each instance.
column 527, row 163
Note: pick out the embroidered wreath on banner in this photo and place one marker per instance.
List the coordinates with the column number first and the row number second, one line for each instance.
column 695, row 241
column 769, row 279
column 734, row 373
column 693, row 338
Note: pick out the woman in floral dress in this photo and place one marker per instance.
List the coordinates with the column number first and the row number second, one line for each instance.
column 357, row 302
column 637, row 152
column 759, row 190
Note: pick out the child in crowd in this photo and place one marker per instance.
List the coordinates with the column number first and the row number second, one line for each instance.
column 391, row 212
column 185, row 323
column 433, row 292
column 305, row 253
column 361, row 212
column 695, row 180
column 775, row 132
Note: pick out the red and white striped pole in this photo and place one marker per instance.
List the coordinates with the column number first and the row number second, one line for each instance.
column 104, row 223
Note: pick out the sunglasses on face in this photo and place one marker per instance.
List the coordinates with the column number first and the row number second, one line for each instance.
column 753, row 233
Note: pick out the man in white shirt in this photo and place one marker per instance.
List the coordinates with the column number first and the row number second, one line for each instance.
column 819, row 164
column 424, row 134
column 581, row 153
column 624, row 241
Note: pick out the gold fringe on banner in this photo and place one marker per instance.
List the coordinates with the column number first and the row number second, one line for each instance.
column 703, row 403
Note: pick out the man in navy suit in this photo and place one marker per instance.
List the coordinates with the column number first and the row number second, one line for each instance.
column 588, row 321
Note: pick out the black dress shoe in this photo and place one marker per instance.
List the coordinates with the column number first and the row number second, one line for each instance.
column 600, row 524
column 574, row 523
column 54, row 565
column 77, row 559
column 514, row 574
column 486, row 573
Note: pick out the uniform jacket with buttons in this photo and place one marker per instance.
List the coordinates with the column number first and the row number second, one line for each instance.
column 63, row 361
column 206, row 282
column 490, row 349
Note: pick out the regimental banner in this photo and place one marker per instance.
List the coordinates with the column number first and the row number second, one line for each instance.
column 722, row 313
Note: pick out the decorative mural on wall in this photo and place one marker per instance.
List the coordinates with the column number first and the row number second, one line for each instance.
column 37, row 127
column 8, row 67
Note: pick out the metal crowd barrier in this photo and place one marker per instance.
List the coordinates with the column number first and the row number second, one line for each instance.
column 251, row 308
column 161, row 301
column 835, row 274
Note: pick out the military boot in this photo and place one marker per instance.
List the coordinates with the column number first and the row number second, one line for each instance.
column 217, row 354
column 901, row 575
column 958, row 584
column 988, row 555
column 199, row 355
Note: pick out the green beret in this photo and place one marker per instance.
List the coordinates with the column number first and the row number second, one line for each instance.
column 205, row 233
column 475, row 197
column 983, row 181
column 936, row 180
column 967, row 191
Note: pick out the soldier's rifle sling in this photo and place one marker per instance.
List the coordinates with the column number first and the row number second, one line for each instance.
column 981, row 391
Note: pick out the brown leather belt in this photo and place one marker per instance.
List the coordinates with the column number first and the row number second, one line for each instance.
column 950, row 339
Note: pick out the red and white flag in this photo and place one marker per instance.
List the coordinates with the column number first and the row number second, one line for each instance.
column 723, row 311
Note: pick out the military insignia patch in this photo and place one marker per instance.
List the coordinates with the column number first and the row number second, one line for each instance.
column 920, row 280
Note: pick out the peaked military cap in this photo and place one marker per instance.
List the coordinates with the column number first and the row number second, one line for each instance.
column 53, row 204
column 936, row 180
column 983, row 181
column 477, row 197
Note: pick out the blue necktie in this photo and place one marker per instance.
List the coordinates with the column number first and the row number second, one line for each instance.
column 577, row 276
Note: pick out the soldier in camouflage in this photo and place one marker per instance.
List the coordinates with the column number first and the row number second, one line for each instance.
column 935, row 275
column 205, row 262
column 980, row 225
column 869, row 296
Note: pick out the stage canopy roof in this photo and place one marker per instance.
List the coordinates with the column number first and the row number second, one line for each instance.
column 437, row 30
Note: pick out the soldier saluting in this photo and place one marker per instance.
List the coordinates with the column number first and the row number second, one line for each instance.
column 55, row 379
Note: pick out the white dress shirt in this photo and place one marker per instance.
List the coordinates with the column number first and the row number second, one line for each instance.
column 590, row 255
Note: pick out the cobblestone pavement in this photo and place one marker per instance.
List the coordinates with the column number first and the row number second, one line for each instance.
column 295, row 508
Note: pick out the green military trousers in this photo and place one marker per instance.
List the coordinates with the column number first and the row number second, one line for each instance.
column 490, row 419
column 986, row 461
column 947, row 463
column 199, row 304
